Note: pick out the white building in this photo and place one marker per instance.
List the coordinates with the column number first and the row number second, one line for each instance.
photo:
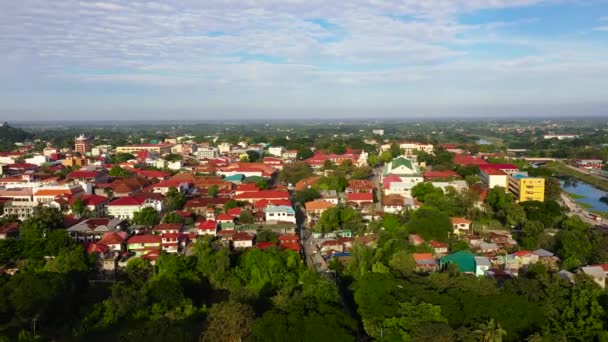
column 410, row 147
column 37, row 160
column 207, row 153
column 126, row 207
column 493, row 178
column 276, row 151
column 224, row 147
column 281, row 213
column 378, row 131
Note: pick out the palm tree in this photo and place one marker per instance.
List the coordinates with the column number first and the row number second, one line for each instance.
column 490, row 332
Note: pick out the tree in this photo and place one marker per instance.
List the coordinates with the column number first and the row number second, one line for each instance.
column 228, row 321
column 295, row 172
column 430, row 223
column 175, row 200
column 553, row 189
column 172, row 157
column 421, row 190
column 252, row 156
column 117, row 171
column 573, row 247
column 69, row 260
column 148, row 216
column 410, row 317
column 531, row 232
column 174, row 218
column 267, row 236
column 490, row 332
column 121, row 158
column 304, row 153
column 307, row 195
column 43, row 221
column 78, row 207
column 213, row 191
column 246, row 217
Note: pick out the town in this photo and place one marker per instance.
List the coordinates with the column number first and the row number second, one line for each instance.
column 347, row 206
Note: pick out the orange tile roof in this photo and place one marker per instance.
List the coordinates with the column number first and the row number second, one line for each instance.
column 318, row 205
column 459, row 220
column 423, row 256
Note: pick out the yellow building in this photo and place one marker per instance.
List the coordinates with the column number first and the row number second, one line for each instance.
column 526, row 188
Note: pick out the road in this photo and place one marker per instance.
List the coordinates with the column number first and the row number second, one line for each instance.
column 313, row 255
column 587, row 172
column 576, row 209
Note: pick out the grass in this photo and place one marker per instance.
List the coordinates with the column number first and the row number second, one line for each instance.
column 574, row 196
column 584, row 205
column 562, row 169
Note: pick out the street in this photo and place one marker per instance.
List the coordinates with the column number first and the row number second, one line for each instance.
column 576, row 209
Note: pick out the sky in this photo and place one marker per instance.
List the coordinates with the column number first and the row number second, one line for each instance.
column 236, row 59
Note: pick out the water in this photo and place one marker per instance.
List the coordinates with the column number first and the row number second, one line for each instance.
column 591, row 194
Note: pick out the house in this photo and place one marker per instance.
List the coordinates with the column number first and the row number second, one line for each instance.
column 144, row 244
column 261, row 205
column 415, row 239
column 467, row 160
column 359, row 200
column 165, row 228
column 590, row 163
column 224, row 218
column 282, row 213
column 253, row 197
column 164, row 186
column 276, row 163
column 94, row 204
column 465, row 261
column 547, row 258
column 425, row 262
column 199, row 205
column 508, row 169
column 314, row 209
column 242, row 240
column 487, row 247
column 461, row 225
column 432, row 176
column 114, row 240
column 393, row 204
column 330, row 196
column 359, row 186
column 89, row 176
column 94, row 229
column 525, row 258
column 597, row 273
column 248, row 170
column 317, row 161
column 482, row 264
column 246, row 187
column 331, row 245
column 126, row 207
column 170, row 242
column 207, row 227
column 400, row 176
column 493, row 178
column 439, row 247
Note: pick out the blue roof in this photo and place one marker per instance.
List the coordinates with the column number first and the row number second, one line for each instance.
column 235, row 178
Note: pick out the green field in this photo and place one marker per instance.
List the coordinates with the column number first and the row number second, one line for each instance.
column 573, row 196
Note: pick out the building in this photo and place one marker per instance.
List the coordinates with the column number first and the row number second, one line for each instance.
column 378, row 131
column 400, row 176
column 94, row 229
column 276, row 151
column 253, row 197
column 144, row 244
column 461, row 225
column 155, row 148
column 560, row 136
column 207, row 153
column 482, row 264
column 508, row 169
column 82, row 144
column 94, row 204
column 281, row 213
column 526, row 188
column 587, row 163
column 465, row 261
column 493, row 178
column 242, row 240
column 409, row 147
column 425, row 262
column 126, row 207
column 314, row 209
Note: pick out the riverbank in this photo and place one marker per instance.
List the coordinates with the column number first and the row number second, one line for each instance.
column 562, row 169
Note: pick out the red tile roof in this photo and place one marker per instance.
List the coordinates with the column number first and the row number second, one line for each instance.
column 294, row 246
column 208, row 225
column 93, row 247
column 144, row 239
column 423, row 256
column 360, row 197
column 386, row 181
column 89, row 200
column 498, row 167
column 262, row 204
column 459, row 220
column 264, row 245
column 242, row 236
column 224, row 217
column 168, row 226
column 522, row 253
column 236, row 211
column 439, row 174
column 263, row 194
column 463, row 159
column 82, row 174
column 127, row 201
column 437, row 244
column 113, row 238
column 247, row 187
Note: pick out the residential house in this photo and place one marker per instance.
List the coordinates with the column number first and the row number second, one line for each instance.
column 393, row 204
column 94, row 229
column 314, row 209
column 415, row 239
column 126, row 207
column 94, row 204
column 282, row 213
column 425, row 262
column 144, row 244
column 115, row 240
column 525, row 258
column 307, row 183
column 439, row 247
column 331, row 245
column 359, row 186
column 207, row 227
column 359, row 200
column 253, row 197
column 242, row 240
column 461, row 225
column 330, row 196
column 482, row 264
column 224, row 218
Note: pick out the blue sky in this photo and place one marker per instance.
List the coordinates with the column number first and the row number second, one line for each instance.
column 228, row 59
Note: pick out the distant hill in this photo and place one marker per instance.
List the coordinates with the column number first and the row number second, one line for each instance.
column 10, row 135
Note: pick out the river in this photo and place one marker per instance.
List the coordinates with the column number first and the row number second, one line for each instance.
column 590, row 194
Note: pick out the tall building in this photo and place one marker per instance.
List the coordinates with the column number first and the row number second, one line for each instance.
column 526, row 188
column 82, row 144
